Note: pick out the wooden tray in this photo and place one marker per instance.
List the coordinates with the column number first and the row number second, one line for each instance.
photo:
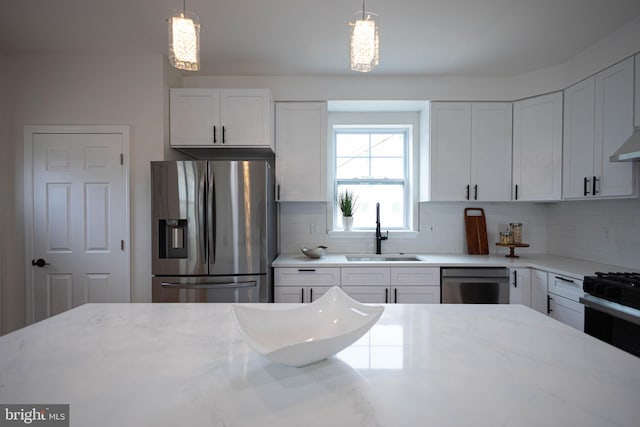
column 476, row 228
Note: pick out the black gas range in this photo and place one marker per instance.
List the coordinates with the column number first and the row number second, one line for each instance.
column 612, row 309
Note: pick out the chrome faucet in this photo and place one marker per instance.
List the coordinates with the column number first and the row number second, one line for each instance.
column 379, row 236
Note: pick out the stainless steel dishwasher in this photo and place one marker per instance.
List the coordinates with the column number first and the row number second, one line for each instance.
column 477, row 285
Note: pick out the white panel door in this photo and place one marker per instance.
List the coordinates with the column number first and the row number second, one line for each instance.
column 245, row 115
column 195, row 117
column 368, row 294
column 614, row 125
column 301, row 151
column 520, row 286
column 415, row 294
column 450, row 148
column 537, row 148
column 288, row 294
column 539, row 290
column 579, row 139
column 78, row 220
column 567, row 311
column 491, row 148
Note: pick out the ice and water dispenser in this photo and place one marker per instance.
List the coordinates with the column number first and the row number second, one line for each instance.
column 173, row 238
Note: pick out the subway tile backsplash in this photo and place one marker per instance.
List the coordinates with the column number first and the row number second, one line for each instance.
column 605, row 231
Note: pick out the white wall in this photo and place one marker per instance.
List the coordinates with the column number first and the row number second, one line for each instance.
column 86, row 89
column 605, row 231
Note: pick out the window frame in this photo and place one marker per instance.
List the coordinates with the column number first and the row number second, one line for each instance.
column 411, row 119
column 405, row 181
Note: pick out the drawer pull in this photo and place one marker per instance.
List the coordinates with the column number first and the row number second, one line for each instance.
column 308, row 270
column 565, row 280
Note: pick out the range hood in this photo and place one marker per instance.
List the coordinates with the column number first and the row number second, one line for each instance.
column 630, row 150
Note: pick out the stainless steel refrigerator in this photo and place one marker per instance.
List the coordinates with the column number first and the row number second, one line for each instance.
column 214, row 231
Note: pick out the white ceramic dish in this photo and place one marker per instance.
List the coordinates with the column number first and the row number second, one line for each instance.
column 306, row 333
column 317, row 252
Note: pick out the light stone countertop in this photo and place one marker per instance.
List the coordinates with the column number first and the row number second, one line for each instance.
column 556, row 264
column 421, row 365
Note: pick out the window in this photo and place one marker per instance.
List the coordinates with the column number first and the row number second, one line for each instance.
column 373, row 162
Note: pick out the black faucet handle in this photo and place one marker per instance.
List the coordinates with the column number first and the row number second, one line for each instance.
column 384, row 237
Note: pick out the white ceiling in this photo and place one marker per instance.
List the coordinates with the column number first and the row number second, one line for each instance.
column 307, row 37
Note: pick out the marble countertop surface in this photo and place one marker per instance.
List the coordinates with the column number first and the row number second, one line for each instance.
column 556, row 264
column 420, row 365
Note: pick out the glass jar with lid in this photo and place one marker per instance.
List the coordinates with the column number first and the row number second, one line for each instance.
column 516, row 232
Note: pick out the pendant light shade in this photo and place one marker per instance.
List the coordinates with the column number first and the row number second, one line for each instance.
column 184, row 40
column 365, row 41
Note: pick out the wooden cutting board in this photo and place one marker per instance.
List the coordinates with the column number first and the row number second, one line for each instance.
column 476, row 227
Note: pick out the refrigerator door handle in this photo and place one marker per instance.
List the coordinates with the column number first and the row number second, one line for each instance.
column 201, row 217
column 249, row 284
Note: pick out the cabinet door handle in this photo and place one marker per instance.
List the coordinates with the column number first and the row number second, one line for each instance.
column 309, row 270
column 395, row 295
column 475, row 192
column 302, row 295
column 215, row 140
column 278, row 192
column 224, row 139
column 565, row 280
column 593, row 186
column 311, row 295
column 468, row 188
column 585, row 186
column 549, row 304
column 516, row 191
column 515, row 279
column 386, row 296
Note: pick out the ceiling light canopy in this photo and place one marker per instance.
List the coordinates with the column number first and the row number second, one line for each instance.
column 365, row 41
column 184, row 40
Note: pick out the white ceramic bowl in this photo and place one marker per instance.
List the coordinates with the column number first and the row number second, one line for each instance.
column 317, row 252
column 307, row 333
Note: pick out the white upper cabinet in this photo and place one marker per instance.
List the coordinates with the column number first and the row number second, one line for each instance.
column 301, row 151
column 221, row 118
column 637, row 120
column 450, row 150
column 579, row 138
column 598, row 120
column 470, row 151
column 537, row 148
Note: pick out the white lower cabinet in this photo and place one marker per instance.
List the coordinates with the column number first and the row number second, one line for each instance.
column 539, row 300
column 402, row 285
column 567, row 311
column 296, row 285
column 520, row 286
column 563, row 295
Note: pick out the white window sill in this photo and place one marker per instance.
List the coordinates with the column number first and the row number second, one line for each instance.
column 370, row 234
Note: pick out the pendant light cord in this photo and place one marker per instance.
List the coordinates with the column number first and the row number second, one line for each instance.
column 362, row 9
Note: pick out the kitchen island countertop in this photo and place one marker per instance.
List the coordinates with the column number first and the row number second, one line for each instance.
column 420, row 365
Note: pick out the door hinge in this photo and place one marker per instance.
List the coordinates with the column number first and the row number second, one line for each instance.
column 122, row 158
column 122, row 245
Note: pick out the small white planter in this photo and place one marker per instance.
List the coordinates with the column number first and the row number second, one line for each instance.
column 347, row 223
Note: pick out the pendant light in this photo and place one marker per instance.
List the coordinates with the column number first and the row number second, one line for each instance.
column 184, row 40
column 365, row 42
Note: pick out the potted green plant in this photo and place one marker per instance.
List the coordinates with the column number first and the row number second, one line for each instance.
column 347, row 203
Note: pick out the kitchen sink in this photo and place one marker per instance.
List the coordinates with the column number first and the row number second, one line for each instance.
column 382, row 258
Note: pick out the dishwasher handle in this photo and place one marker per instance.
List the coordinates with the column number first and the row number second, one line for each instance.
column 209, row 285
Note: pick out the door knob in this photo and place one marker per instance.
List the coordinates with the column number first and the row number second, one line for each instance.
column 39, row 262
